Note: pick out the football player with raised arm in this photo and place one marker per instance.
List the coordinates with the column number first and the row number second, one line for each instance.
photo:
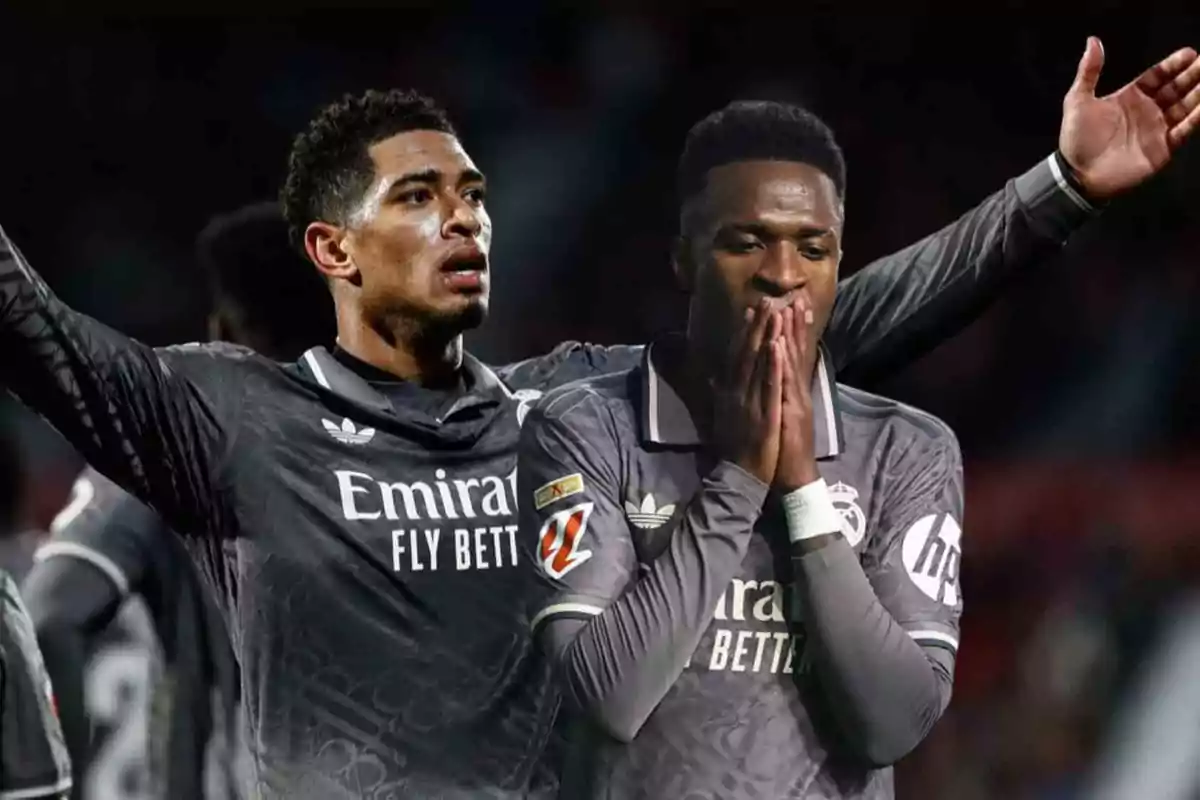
column 145, row 677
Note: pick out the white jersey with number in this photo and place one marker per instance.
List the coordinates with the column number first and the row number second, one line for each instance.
column 122, row 675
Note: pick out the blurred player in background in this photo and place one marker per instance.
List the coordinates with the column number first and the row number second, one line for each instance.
column 33, row 757
column 356, row 510
column 146, row 680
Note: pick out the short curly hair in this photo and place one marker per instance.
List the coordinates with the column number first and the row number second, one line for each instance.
column 329, row 166
column 747, row 130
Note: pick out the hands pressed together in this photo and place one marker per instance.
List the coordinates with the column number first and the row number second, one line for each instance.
column 763, row 414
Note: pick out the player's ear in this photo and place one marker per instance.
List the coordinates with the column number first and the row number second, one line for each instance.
column 326, row 247
column 683, row 264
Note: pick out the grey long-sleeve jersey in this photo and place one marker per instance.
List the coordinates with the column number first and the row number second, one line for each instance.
column 706, row 659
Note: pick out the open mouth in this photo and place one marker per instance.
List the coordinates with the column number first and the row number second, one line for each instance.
column 466, row 260
column 465, row 271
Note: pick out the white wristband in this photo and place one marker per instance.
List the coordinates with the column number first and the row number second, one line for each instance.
column 810, row 512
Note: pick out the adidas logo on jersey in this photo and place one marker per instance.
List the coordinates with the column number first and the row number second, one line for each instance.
column 346, row 433
column 647, row 517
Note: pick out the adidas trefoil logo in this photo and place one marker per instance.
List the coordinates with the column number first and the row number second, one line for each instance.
column 647, row 517
column 346, row 434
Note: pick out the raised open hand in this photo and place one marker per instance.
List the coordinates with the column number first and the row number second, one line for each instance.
column 1116, row 142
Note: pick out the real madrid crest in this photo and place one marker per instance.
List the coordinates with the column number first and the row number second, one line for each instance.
column 854, row 521
column 524, row 398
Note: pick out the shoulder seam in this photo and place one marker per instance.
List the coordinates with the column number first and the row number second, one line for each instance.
column 930, row 424
column 89, row 554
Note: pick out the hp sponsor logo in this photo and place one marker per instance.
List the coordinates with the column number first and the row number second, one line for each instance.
column 932, row 555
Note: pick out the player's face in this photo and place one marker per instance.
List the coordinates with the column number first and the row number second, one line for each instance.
column 420, row 238
column 759, row 229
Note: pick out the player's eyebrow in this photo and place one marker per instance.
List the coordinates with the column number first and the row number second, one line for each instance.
column 433, row 176
column 471, row 176
column 765, row 231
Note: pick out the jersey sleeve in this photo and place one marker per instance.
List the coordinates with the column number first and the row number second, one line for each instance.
column 898, row 307
column 914, row 567
column 572, row 524
column 621, row 628
column 107, row 528
column 33, row 758
column 157, row 421
column 569, row 362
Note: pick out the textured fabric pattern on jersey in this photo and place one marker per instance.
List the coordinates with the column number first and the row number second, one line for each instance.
column 33, row 757
column 744, row 718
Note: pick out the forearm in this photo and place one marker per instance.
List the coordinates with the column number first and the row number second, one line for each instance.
column 898, row 307
column 886, row 691
column 619, row 665
column 123, row 408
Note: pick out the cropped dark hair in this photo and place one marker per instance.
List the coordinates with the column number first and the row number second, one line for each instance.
column 329, row 166
column 752, row 130
column 256, row 279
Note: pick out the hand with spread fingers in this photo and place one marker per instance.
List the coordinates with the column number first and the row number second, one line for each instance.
column 1116, row 142
column 747, row 407
column 797, row 446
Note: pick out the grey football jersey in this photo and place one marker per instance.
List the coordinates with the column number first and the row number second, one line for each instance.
column 33, row 757
column 611, row 468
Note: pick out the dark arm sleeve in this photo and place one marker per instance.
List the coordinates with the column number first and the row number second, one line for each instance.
column 883, row 633
column 158, row 422
column 33, row 759
column 619, row 632
column 896, row 308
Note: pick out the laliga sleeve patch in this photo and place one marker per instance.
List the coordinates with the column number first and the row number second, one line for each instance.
column 932, row 555
column 557, row 489
column 560, row 538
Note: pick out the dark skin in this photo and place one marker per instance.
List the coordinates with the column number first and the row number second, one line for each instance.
column 409, row 268
column 759, row 258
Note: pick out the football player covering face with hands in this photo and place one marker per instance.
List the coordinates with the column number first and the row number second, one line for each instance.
column 751, row 571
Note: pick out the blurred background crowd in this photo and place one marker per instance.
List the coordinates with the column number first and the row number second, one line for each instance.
column 1076, row 398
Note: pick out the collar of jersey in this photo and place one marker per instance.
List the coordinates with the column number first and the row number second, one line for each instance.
column 484, row 386
column 666, row 419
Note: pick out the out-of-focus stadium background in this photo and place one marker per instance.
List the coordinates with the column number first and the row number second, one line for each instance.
column 1076, row 399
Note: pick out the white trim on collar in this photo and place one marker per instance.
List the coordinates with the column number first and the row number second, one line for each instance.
column 310, row 358
column 652, row 402
column 831, row 413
